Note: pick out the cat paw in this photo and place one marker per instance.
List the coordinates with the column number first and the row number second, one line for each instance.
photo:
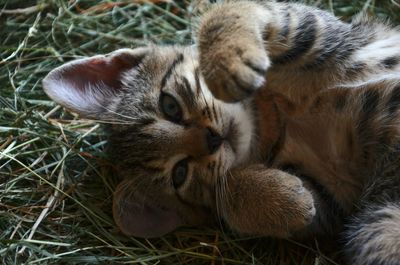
column 234, row 73
column 300, row 210
column 267, row 202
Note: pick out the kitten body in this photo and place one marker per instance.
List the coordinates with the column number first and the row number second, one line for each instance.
column 282, row 121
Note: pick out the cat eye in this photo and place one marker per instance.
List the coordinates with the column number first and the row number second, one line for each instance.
column 170, row 107
column 179, row 173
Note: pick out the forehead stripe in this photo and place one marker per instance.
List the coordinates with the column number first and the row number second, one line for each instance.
column 168, row 73
column 185, row 91
column 197, row 80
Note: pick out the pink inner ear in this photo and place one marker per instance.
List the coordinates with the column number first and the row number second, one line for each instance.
column 87, row 85
column 144, row 221
column 98, row 71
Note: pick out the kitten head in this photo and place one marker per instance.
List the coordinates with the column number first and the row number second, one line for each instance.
column 171, row 139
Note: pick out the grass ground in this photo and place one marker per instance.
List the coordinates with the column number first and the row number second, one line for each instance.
column 55, row 183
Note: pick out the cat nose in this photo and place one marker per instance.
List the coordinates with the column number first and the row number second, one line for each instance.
column 214, row 140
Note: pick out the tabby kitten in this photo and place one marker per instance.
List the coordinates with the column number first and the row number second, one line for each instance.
column 282, row 121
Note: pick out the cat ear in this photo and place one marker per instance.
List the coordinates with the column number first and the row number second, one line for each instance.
column 86, row 86
column 135, row 218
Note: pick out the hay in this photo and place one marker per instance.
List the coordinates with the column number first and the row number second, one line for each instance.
column 55, row 182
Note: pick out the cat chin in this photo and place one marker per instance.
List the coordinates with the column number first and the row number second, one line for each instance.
column 242, row 131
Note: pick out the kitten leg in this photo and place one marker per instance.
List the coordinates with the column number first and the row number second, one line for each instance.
column 233, row 59
column 257, row 200
column 304, row 49
column 239, row 41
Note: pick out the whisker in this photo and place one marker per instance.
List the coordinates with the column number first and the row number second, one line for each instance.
column 197, row 80
column 206, row 103
column 221, row 196
column 211, row 167
column 113, row 122
column 119, row 114
column 125, row 188
column 218, row 197
column 219, row 165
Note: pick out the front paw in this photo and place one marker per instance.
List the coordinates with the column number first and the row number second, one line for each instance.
column 234, row 72
column 267, row 202
column 300, row 209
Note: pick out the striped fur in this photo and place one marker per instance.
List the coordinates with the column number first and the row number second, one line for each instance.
column 307, row 148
